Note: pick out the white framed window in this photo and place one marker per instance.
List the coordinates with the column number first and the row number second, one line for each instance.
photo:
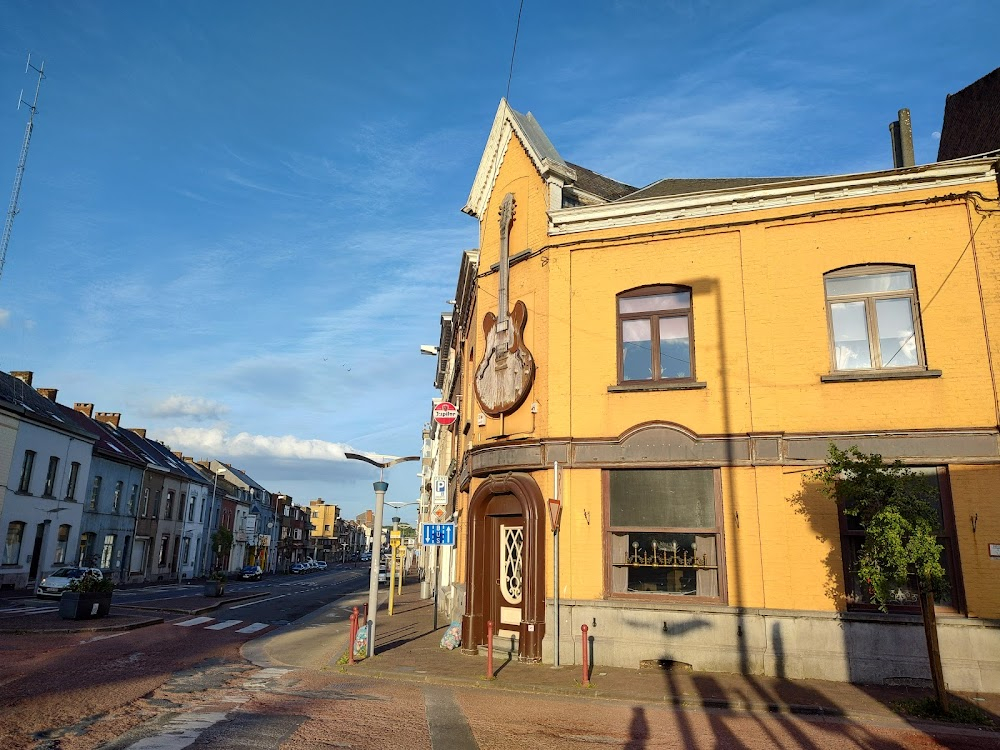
column 874, row 318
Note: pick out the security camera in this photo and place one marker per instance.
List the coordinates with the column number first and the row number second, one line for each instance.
column 428, row 349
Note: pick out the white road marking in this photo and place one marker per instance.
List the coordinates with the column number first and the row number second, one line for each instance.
column 103, row 637
column 30, row 610
column 195, row 621
column 223, row 625
column 254, row 628
column 258, row 601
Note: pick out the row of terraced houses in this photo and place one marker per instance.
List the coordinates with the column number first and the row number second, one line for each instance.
column 77, row 488
column 668, row 365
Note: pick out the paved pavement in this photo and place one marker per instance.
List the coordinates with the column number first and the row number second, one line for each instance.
column 408, row 649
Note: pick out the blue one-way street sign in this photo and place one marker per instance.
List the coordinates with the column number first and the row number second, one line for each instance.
column 439, row 533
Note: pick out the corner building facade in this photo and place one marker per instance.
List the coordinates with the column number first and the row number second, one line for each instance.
column 694, row 348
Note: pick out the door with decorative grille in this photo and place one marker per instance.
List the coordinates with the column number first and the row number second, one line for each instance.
column 508, row 565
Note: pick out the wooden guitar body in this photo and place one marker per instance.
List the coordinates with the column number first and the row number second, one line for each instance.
column 507, row 370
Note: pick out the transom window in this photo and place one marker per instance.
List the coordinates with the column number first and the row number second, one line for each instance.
column 655, row 334
column 874, row 318
column 664, row 533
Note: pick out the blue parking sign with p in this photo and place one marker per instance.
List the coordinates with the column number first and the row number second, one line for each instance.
column 439, row 534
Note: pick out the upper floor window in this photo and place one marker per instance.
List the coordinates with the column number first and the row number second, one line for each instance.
column 117, row 499
column 874, row 318
column 26, row 467
column 50, row 477
column 145, row 501
column 655, row 334
column 95, row 493
column 74, row 473
column 168, row 510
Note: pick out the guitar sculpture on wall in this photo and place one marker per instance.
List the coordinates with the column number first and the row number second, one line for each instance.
column 506, row 372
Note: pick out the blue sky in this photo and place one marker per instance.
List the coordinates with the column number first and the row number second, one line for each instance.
column 239, row 220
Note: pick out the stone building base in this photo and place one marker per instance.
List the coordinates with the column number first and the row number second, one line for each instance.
column 867, row 648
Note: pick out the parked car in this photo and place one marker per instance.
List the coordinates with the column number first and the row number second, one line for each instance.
column 56, row 582
column 299, row 568
column 366, row 557
column 251, row 573
column 383, row 576
column 321, row 564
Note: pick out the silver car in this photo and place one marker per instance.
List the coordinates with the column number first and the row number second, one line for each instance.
column 58, row 581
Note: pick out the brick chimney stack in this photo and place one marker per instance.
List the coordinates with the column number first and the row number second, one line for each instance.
column 87, row 409
column 138, row 431
column 109, row 417
column 23, row 375
column 49, row 393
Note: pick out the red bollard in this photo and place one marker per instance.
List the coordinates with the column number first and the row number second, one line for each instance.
column 586, row 657
column 489, row 650
column 354, row 635
column 366, row 611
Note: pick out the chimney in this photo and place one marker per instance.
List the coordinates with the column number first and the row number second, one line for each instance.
column 178, row 454
column 87, row 409
column 23, row 375
column 138, row 431
column 901, row 133
column 49, row 393
column 109, row 417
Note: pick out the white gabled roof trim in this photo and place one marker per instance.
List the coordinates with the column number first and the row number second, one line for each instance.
column 773, row 195
column 542, row 154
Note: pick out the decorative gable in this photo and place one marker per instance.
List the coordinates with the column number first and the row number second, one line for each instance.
column 550, row 165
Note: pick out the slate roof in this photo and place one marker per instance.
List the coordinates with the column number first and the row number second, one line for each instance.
column 245, row 478
column 599, row 185
column 18, row 396
column 177, row 465
column 972, row 119
column 683, row 186
column 108, row 444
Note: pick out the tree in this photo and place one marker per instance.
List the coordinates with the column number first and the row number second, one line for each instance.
column 897, row 510
column 222, row 541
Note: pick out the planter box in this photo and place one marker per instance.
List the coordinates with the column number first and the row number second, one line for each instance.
column 215, row 588
column 75, row 605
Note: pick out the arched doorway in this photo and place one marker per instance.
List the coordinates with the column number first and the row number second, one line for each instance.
column 506, row 564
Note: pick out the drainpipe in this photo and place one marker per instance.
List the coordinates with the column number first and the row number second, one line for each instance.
column 555, row 561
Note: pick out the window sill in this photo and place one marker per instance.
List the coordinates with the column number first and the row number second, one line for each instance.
column 866, row 375
column 662, row 385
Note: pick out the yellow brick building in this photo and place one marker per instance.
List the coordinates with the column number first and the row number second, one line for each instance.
column 683, row 357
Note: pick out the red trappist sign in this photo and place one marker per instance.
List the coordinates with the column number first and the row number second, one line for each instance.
column 445, row 413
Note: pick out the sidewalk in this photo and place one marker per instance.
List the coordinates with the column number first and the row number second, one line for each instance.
column 407, row 649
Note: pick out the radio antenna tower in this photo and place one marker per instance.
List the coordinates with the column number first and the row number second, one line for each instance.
column 15, row 194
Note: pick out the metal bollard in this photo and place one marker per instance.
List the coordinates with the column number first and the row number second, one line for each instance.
column 586, row 657
column 366, row 611
column 354, row 635
column 489, row 650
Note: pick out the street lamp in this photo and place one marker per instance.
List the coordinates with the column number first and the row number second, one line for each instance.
column 381, row 487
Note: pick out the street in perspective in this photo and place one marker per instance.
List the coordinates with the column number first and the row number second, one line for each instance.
column 500, row 375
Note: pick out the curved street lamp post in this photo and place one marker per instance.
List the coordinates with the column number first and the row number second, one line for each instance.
column 381, row 487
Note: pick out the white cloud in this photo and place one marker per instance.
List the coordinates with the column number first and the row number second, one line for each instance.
column 4, row 318
column 215, row 441
column 188, row 406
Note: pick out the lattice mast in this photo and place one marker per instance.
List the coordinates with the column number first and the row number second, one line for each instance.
column 16, row 192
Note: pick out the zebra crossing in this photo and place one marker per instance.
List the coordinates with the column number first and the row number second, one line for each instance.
column 211, row 623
